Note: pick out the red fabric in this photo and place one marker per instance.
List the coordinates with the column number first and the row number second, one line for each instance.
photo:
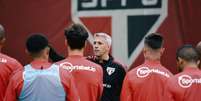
column 175, row 92
column 16, row 83
column 8, row 66
column 89, row 83
column 145, row 84
column 22, row 17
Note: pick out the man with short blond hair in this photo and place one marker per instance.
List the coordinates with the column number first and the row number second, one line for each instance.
column 113, row 71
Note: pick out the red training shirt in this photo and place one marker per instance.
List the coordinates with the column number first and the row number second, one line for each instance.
column 16, row 83
column 145, row 82
column 88, row 77
column 8, row 65
column 185, row 86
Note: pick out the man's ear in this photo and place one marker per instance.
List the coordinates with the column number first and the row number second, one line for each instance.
column 27, row 52
column 180, row 64
column 162, row 51
column 46, row 50
column 66, row 42
column 180, row 59
column 144, row 50
column 2, row 41
column 198, row 62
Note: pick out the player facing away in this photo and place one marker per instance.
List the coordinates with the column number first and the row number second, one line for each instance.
column 8, row 65
column 146, row 82
column 88, row 75
column 185, row 86
column 41, row 80
column 198, row 47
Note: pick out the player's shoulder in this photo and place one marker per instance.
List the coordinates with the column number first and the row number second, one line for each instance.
column 133, row 71
column 17, row 75
column 7, row 59
column 60, row 62
column 166, row 70
column 65, row 73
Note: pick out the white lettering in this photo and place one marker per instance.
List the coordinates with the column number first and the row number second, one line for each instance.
column 149, row 2
column 186, row 81
column 107, row 85
column 91, row 4
column 68, row 66
column 94, row 3
column 145, row 71
column 3, row 60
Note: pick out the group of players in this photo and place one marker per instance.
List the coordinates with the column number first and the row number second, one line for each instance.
column 99, row 77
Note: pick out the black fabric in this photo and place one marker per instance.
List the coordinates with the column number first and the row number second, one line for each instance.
column 114, row 80
column 37, row 42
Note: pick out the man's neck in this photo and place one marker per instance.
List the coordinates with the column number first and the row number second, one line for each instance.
column 76, row 52
column 103, row 58
column 191, row 65
column 40, row 59
column 152, row 59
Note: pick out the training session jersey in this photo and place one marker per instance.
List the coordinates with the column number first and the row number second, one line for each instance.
column 113, row 76
column 8, row 66
column 42, row 81
column 185, row 86
column 145, row 82
column 88, row 76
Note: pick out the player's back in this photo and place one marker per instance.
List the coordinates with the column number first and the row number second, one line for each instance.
column 88, row 77
column 185, row 86
column 7, row 66
column 147, row 82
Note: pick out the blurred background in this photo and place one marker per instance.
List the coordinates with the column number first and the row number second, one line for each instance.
column 127, row 21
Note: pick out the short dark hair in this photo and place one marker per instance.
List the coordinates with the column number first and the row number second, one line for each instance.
column 2, row 32
column 36, row 42
column 76, row 36
column 154, row 41
column 188, row 53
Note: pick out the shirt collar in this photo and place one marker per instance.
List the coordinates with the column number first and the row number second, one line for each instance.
column 75, row 56
column 152, row 62
column 40, row 64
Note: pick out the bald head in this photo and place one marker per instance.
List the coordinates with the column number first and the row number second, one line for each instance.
column 2, row 32
column 188, row 53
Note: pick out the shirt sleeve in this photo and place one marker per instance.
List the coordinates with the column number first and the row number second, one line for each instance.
column 126, row 92
column 69, row 86
column 16, row 65
column 14, row 87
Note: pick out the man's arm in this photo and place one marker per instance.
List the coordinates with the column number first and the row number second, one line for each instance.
column 12, row 92
column 69, row 86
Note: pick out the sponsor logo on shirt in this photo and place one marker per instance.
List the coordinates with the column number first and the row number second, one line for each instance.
column 2, row 60
column 145, row 71
column 68, row 66
column 107, row 85
column 186, row 81
column 110, row 70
